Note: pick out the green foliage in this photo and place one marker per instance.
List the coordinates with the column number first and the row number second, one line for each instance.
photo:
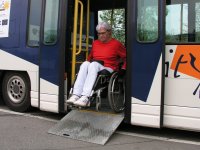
column 50, row 36
column 116, row 18
column 147, row 24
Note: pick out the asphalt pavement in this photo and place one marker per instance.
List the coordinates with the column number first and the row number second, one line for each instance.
column 19, row 131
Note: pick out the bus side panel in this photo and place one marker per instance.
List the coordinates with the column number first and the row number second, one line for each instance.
column 182, row 87
column 14, row 54
column 15, row 43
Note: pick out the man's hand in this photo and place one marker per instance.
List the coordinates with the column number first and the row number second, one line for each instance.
column 122, row 72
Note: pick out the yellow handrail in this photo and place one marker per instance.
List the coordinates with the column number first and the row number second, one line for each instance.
column 81, row 28
column 74, row 40
column 88, row 26
column 74, row 47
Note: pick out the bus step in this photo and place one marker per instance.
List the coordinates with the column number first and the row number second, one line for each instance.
column 87, row 125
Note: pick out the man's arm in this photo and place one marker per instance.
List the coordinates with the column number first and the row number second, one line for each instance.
column 122, row 54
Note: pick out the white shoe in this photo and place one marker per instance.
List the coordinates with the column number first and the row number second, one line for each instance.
column 72, row 99
column 83, row 102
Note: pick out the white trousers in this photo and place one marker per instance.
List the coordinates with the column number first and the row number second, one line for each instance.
column 86, row 78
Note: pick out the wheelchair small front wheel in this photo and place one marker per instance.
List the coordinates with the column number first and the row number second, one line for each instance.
column 116, row 93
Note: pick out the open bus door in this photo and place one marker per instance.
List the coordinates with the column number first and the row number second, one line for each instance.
column 52, row 49
column 145, row 58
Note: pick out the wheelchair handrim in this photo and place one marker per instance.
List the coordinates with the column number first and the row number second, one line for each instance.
column 113, row 95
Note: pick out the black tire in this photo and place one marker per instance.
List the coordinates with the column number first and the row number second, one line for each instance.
column 16, row 91
column 116, row 93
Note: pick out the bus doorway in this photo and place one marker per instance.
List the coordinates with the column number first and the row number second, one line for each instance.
column 87, row 124
column 84, row 17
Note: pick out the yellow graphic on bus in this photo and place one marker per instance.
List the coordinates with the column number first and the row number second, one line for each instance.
column 4, row 5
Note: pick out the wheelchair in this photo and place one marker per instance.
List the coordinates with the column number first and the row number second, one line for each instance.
column 110, row 84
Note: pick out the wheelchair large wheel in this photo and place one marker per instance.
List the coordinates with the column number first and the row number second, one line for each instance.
column 116, row 93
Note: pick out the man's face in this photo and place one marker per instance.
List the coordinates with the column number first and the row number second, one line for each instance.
column 104, row 35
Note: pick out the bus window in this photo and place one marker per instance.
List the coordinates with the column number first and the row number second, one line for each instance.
column 51, row 22
column 147, row 20
column 183, row 21
column 197, row 22
column 34, row 23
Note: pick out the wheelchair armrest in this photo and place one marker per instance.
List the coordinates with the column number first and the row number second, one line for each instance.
column 104, row 72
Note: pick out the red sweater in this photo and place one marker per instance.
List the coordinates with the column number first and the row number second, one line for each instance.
column 111, row 53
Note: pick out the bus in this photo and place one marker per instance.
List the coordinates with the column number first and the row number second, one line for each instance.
column 42, row 43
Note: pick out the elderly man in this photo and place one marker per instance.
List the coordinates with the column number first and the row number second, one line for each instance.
column 106, row 54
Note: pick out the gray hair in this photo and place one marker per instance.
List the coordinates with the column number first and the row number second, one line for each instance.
column 104, row 25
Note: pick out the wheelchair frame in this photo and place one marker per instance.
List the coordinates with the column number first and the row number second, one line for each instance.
column 115, row 93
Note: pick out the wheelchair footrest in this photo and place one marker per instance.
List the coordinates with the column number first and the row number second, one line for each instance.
column 74, row 107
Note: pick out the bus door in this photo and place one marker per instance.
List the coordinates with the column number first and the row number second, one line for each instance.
column 52, row 48
column 145, row 59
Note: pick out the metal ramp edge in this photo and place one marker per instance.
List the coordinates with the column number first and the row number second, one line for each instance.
column 89, row 126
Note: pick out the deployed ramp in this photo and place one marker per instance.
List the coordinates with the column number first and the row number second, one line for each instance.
column 89, row 126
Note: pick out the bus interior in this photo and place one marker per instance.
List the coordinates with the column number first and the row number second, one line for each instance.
column 91, row 11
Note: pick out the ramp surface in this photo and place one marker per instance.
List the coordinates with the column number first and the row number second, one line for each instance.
column 89, row 126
